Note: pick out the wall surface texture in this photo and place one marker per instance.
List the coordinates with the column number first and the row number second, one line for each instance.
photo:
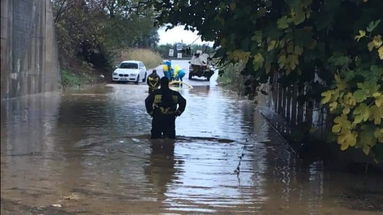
column 29, row 58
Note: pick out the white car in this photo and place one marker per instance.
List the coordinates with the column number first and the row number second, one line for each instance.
column 130, row 70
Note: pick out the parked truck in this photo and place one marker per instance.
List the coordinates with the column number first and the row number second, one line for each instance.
column 200, row 66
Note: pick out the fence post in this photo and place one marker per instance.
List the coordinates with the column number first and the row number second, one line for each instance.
column 300, row 106
column 288, row 104
column 294, row 106
column 309, row 112
column 275, row 93
column 280, row 97
column 284, row 98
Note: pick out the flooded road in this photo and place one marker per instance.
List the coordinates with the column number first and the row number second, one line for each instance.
column 88, row 152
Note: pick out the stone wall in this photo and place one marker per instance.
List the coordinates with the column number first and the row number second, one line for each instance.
column 29, row 58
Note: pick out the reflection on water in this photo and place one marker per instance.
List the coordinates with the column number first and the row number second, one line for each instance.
column 160, row 170
column 89, row 151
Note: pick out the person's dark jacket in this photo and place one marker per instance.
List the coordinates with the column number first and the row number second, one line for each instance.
column 153, row 81
column 165, row 101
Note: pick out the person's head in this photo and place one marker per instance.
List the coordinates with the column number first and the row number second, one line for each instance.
column 164, row 82
column 154, row 71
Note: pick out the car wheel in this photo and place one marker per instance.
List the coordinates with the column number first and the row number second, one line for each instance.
column 137, row 80
column 144, row 79
column 190, row 76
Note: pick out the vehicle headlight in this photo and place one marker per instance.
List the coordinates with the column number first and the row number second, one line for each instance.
column 114, row 73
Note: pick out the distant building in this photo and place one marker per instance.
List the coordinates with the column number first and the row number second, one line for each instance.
column 179, row 46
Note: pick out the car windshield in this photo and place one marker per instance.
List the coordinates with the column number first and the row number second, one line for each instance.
column 129, row 66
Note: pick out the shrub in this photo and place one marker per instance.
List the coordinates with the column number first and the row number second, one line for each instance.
column 230, row 77
column 71, row 79
column 150, row 58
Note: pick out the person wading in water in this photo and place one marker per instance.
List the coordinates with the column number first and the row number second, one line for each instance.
column 164, row 105
column 153, row 81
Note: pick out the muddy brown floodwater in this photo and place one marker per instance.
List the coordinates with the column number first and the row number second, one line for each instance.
column 88, row 152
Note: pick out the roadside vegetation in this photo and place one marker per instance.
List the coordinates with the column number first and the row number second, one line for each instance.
column 150, row 58
column 231, row 78
column 89, row 31
column 71, row 79
column 338, row 42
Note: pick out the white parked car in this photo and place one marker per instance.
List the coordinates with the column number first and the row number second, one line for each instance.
column 130, row 70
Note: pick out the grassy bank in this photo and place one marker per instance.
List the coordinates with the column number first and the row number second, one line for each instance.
column 79, row 74
column 72, row 79
column 232, row 78
column 150, row 58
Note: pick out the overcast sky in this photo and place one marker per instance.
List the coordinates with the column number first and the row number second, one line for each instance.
column 178, row 34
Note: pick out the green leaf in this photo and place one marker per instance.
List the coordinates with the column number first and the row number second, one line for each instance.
column 336, row 128
column 340, row 83
column 379, row 101
column 380, row 51
column 346, row 110
column 326, row 96
column 373, row 25
column 378, row 133
column 370, row 46
column 283, row 23
column 349, row 100
column 347, row 139
column 377, row 41
column 333, row 106
column 376, row 114
column 360, row 36
column 370, row 87
column 258, row 61
column 343, row 122
column 360, row 95
column 361, row 113
column 298, row 16
column 282, row 61
column 271, row 45
column 376, row 72
column 292, row 61
column 340, row 60
column 366, row 138
column 257, row 36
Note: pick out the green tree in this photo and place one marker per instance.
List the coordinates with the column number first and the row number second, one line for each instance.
column 164, row 49
column 90, row 29
column 338, row 41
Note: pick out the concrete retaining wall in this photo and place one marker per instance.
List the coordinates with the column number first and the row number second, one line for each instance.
column 29, row 58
